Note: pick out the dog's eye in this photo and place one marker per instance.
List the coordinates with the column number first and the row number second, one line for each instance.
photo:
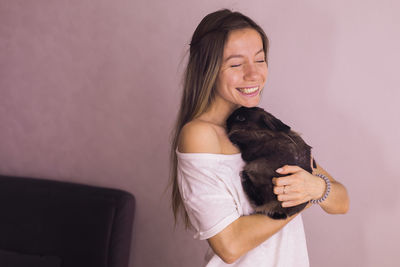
column 240, row 117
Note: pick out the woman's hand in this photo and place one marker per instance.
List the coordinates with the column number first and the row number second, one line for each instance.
column 298, row 186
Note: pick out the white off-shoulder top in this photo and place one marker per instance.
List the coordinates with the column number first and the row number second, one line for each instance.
column 213, row 197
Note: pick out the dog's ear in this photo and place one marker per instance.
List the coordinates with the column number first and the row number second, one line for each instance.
column 274, row 124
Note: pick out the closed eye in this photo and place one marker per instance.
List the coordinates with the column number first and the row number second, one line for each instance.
column 236, row 65
column 240, row 117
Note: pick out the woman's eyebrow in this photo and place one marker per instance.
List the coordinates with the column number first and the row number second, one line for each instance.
column 260, row 51
column 240, row 56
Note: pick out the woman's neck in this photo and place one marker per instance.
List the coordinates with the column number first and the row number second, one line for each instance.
column 218, row 112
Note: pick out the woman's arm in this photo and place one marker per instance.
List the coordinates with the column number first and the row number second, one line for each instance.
column 301, row 186
column 338, row 201
column 248, row 232
column 244, row 234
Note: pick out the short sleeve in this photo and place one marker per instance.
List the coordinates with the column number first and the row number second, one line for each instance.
column 207, row 194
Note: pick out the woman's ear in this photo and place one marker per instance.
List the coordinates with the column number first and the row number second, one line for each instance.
column 274, row 124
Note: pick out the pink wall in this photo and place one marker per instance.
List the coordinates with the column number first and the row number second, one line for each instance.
column 89, row 91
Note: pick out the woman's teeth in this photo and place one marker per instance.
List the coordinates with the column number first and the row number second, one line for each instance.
column 248, row 90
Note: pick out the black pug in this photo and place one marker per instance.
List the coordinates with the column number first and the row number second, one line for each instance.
column 266, row 144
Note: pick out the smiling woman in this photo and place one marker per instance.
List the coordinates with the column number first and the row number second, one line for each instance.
column 244, row 70
column 227, row 69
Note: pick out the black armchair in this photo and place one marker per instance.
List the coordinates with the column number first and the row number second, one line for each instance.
column 47, row 223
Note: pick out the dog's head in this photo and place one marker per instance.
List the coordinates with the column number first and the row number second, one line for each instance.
column 245, row 120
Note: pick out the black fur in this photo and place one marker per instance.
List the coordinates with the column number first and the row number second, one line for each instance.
column 266, row 144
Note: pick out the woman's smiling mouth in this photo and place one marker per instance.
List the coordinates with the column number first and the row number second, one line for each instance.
column 249, row 91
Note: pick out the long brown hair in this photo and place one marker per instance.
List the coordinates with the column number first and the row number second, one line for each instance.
column 206, row 52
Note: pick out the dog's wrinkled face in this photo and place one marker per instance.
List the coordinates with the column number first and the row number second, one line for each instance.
column 243, row 120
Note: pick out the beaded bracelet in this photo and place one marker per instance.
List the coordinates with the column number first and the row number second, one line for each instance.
column 327, row 190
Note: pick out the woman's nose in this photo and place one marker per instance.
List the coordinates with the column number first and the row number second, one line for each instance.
column 251, row 72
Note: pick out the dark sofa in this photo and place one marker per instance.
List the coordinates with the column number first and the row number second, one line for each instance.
column 47, row 223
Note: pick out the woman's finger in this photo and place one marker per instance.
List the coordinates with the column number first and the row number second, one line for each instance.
column 280, row 190
column 288, row 197
column 281, row 181
column 288, row 169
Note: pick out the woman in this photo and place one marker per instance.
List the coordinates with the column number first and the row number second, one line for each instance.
column 227, row 69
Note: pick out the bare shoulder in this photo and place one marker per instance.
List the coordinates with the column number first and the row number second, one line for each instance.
column 199, row 137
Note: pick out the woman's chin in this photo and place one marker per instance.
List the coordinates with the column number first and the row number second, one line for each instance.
column 250, row 104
